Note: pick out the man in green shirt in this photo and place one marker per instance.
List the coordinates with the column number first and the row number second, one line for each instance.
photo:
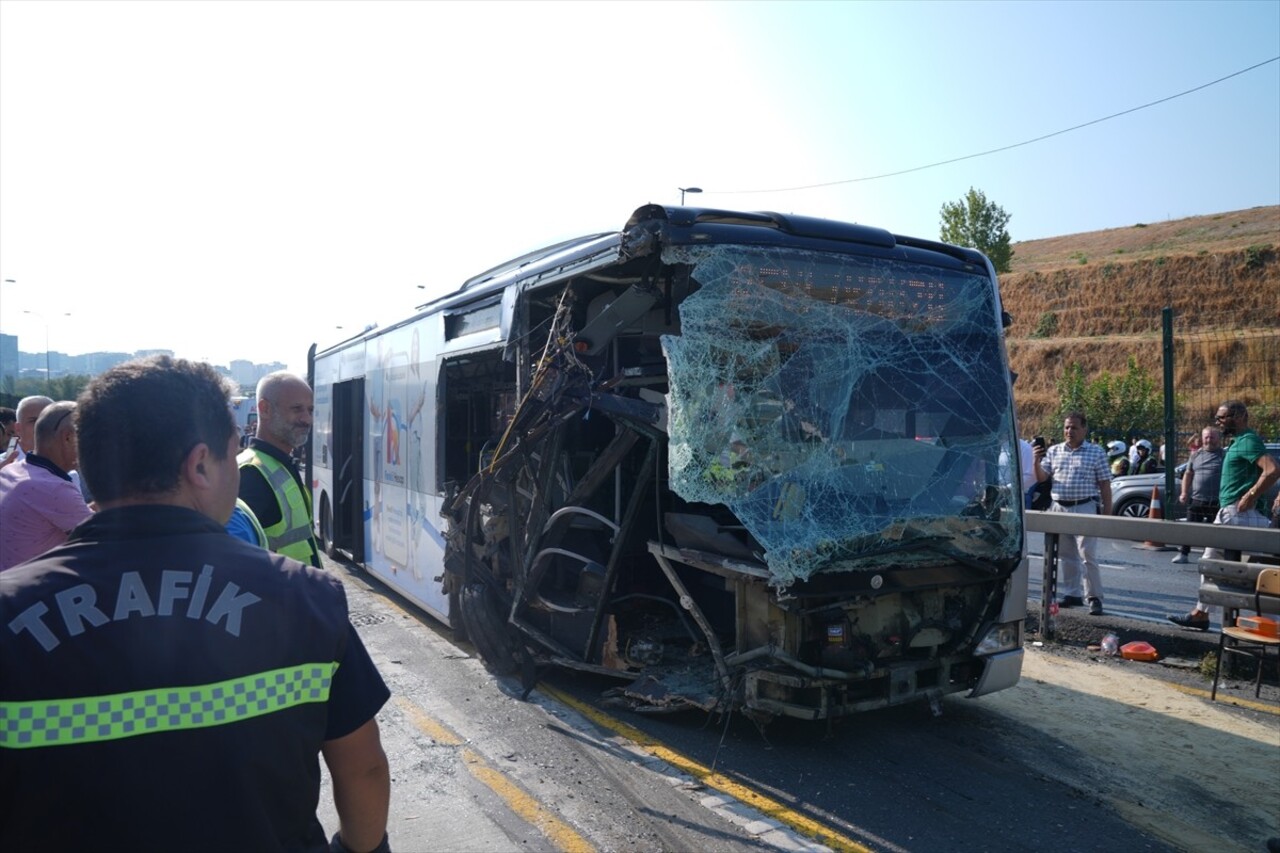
column 1247, row 472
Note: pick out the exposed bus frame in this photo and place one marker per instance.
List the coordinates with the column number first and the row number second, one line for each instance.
column 764, row 674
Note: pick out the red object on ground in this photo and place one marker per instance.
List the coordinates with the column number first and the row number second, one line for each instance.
column 1139, row 650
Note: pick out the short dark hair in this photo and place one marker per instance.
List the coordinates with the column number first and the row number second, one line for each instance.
column 1235, row 407
column 1076, row 415
column 138, row 421
column 7, row 416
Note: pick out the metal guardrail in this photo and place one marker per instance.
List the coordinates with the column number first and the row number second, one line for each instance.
column 1256, row 540
column 1230, row 584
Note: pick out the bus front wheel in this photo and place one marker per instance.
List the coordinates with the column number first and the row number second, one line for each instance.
column 487, row 630
column 326, row 527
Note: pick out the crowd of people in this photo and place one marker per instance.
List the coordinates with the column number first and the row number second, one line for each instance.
column 153, row 663
column 1136, row 459
column 1245, row 472
column 1222, row 484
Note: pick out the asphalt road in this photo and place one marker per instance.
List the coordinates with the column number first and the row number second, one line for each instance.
column 901, row 780
column 1138, row 582
column 477, row 768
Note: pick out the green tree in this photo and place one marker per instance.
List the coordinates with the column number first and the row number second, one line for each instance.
column 1117, row 406
column 68, row 387
column 59, row 388
column 980, row 224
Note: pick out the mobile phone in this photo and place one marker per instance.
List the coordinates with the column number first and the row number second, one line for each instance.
column 13, row 442
column 1038, row 441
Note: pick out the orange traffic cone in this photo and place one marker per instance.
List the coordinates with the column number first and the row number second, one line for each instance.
column 1155, row 512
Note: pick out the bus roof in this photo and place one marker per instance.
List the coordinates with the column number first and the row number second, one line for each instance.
column 683, row 225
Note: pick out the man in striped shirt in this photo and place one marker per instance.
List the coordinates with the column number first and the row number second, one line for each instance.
column 1081, row 484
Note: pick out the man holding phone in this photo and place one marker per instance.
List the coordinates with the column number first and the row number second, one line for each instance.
column 1081, row 484
column 10, row 434
column 29, row 410
column 1035, row 493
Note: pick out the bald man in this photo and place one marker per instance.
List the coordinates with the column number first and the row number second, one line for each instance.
column 270, row 482
column 29, row 409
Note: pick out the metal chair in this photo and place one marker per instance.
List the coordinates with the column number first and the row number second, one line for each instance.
column 1251, row 644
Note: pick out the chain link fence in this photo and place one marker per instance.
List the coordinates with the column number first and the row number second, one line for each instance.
column 1210, row 359
column 1215, row 360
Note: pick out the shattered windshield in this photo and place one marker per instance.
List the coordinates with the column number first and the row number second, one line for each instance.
column 852, row 412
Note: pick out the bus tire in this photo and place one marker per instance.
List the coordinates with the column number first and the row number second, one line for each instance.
column 456, row 620
column 326, row 527
column 487, row 630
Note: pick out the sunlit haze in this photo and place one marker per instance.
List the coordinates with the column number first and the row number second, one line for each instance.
column 242, row 180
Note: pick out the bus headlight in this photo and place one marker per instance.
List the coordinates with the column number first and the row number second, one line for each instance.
column 1000, row 638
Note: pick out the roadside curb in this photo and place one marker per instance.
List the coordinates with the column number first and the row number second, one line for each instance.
column 1185, row 657
column 1076, row 626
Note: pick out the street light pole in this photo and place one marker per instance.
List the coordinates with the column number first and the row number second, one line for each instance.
column 48, row 370
column 48, row 376
column 684, row 190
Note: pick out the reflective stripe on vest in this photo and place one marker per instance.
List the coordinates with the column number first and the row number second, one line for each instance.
column 62, row 722
column 291, row 535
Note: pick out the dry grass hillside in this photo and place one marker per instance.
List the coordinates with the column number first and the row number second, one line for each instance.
column 1095, row 299
column 1215, row 232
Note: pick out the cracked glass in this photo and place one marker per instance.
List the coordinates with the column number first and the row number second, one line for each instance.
column 852, row 412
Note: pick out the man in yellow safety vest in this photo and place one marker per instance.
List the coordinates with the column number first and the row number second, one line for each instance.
column 270, row 482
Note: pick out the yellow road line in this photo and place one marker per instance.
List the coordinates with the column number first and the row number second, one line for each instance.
column 437, row 731
column 1227, row 700
column 766, row 805
column 559, row 833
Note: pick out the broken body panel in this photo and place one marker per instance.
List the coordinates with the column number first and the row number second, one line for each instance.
column 737, row 460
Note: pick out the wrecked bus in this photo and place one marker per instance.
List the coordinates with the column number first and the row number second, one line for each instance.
column 744, row 461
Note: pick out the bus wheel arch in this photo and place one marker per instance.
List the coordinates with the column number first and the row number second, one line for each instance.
column 487, row 630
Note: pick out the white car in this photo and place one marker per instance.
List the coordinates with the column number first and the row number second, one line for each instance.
column 1131, row 494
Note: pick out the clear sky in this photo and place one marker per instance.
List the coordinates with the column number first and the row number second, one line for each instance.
column 240, row 179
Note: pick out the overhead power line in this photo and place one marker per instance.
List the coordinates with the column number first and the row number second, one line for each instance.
column 1005, row 147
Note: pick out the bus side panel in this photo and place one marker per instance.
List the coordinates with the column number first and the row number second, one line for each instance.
column 404, row 543
column 324, row 374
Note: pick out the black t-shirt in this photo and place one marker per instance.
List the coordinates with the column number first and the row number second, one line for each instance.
column 257, row 492
column 183, row 681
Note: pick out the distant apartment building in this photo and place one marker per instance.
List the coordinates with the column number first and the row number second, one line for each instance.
column 245, row 373
column 98, row 362
column 85, row 364
column 18, row 364
column 8, row 362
